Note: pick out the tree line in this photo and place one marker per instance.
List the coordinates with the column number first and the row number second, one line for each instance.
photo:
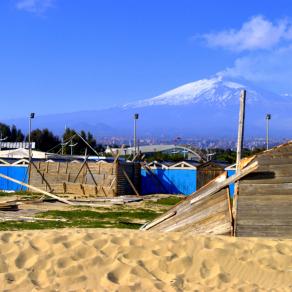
column 46, row 140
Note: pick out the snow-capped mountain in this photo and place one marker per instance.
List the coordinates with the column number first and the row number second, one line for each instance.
column 214, row 90
column 205, row 108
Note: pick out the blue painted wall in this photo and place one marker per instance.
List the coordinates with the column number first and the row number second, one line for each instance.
column 231, row 186
column 175, row 181
column 17, row 172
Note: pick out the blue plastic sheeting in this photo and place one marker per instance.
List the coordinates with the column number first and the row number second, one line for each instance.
column 231, row 186
column 174, row 181
column 16, row 172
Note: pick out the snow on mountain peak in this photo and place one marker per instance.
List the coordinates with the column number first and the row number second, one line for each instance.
column 214, row 90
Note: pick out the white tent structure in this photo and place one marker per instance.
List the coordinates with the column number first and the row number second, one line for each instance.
column 21, row 153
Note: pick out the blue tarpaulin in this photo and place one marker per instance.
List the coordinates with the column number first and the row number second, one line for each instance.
column 171, row 181
column 231, row 172
column 16, row 172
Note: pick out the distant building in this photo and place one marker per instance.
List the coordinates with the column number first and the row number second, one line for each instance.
column 168, row 149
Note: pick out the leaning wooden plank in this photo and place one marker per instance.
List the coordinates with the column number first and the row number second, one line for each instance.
column 131, row 184
column 36, row 189
column 42, row 176
column 91, row 174
column 118, row 154
column 80, row 169
column 221, row 184
column 159, row 220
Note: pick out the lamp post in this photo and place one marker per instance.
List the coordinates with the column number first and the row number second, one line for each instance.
column 136, row 117
column 71, row 145
column 31, row 116
column 268, row 117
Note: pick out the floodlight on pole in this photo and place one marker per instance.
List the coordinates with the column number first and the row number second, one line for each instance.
column 268, row 118
column 31, row 116
column 136, row 117
column 71, row 145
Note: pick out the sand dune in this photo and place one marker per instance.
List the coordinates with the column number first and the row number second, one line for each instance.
column 123, row 260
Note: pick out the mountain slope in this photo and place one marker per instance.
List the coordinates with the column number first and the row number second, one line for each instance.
column 213, row 90
column 205, row 108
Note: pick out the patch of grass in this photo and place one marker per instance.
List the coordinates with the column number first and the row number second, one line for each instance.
column 85, row 219
column 117, row 217
column 169, row 201
column 93, row 215
column 22, row 194
column 15, row 225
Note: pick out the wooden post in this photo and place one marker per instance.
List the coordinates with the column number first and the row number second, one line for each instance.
column 240, row 128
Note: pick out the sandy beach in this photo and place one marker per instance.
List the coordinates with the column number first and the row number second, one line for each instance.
column 124, row 260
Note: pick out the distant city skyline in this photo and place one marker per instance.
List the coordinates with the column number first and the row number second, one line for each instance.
column 64, row 56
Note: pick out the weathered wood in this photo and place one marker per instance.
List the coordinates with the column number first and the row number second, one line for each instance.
column 156, row 222
column 184, row 211
column 254, row 189
column 267, row 181
column 283, row 231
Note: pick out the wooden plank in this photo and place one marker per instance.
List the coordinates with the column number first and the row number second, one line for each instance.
column 266, row 199
column 265, row 189
column 157, row 221
column 199, row 217
column 79, row 171
column 42, row 175
column 283, row 231
column 210, row 225
column 227, row 182
column 130, row 182
column 279, row 180
column 36, row 189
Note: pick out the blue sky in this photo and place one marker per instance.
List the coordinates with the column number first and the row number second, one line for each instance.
column 69, row 55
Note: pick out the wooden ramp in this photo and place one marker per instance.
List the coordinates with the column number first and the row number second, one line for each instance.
column 207, row 211
column 208, row 215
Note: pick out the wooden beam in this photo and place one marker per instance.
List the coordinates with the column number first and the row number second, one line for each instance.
column 84, row 162
column 129, row 181
column 222, row 184
column 36, row 189
column 159, row 220
column 42, row 175
column 91, row 174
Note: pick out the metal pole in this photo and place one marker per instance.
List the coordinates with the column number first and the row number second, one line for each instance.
column 29, row 140
column 268, row 117
column 267, row 137
column 136, row 116
column 31, row 116
column 240, row 128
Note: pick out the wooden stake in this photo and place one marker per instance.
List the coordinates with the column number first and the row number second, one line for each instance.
column 240, row 128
